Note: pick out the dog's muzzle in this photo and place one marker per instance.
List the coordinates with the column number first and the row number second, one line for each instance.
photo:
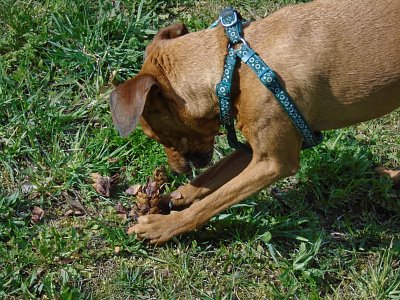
column 199, row 159
column 183, row 163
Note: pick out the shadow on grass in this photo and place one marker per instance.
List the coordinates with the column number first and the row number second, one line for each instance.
column 336, row 194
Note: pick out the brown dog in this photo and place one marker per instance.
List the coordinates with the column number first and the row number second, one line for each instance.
column 339, row 61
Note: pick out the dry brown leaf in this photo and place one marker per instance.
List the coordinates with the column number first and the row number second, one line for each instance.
column 133, row 190
column 37, row 215
column 103, row 185
column 28, row 187
column 120, row 208
column 114, row 179
column 122, row 211
column 68, row 260
column 68, row 213
column 72, row 212
column 73, row 202
column 152, row 187
column 113, row 160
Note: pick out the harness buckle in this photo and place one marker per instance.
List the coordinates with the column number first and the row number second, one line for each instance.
column 228, row 14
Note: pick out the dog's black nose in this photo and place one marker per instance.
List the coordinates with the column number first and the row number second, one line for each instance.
column 199, row 159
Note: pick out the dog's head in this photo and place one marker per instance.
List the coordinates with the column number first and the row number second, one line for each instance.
column 150, row 100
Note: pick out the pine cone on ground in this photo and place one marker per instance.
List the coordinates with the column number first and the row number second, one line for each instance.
column 148, row 196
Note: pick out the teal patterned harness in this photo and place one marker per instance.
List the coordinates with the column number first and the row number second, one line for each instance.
column 232, row 22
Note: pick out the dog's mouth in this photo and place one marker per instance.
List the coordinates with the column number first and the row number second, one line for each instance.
column 199, row 159
column 183, row 164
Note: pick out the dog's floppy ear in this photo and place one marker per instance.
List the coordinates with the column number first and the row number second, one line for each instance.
column 172, row 31
column 127, row 102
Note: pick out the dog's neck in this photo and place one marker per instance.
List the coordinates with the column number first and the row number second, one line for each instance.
column 195, row 92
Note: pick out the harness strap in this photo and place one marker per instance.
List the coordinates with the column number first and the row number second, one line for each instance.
column 232, row 22
column 270, row 80
column 223, row 91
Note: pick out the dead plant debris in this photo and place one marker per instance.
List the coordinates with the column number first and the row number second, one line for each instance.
column 148, row 196
column 103, row 185
column 37, row 215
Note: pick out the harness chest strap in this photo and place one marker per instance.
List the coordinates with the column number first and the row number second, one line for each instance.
column 230, row 19
column 225, row 105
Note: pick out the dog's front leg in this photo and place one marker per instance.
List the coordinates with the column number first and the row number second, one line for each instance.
column 211, row 179
column 259, row 173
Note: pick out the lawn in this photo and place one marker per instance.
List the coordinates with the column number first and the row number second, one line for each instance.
column 330, row 232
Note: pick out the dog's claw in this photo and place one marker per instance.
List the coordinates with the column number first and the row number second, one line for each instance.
column 176, row 195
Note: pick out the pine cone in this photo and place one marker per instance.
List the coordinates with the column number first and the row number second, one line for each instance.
column 159, row 177
column 148, row 196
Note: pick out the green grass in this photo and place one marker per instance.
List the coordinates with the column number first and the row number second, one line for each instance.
column 330, row 232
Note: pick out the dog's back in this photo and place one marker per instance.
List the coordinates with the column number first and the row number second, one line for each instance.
column 343, row 56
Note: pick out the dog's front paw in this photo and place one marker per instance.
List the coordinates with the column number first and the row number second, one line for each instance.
column 173, row 201
column 158, row 229
column 184, row 196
